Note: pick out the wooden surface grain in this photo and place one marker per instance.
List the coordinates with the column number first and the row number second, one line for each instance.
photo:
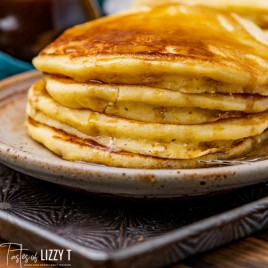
column 250, row 252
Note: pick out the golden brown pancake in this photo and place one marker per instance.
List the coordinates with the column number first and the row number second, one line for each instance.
column 167, row 115
column 184, row 48
column 151, row 104
column 97, row 97
column 72, row 148
column 99, row 125
column 190, row 84
column 171, row 150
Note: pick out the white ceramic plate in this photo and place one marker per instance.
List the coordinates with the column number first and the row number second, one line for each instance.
column 18, row 151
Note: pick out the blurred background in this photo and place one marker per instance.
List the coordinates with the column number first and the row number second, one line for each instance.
column 26, row 26
column 112, row 6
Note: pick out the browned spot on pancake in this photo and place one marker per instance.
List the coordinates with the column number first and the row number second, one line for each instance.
column 32, row 122
column 162, row 36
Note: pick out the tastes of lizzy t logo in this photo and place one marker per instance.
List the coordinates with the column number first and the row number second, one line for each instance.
column 16, row 253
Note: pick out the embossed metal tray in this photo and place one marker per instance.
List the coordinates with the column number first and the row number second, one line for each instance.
column 109, row 232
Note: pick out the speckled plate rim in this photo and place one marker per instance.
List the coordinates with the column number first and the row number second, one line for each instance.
column 134, row 183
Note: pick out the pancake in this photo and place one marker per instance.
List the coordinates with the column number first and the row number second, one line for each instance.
column 151, row 104
column 222, row 52
column 155, row 87
column 98, row 124
column 97, row 97
column 172, row 150
column 255, row 10
column 73, row 148
column 167, row 115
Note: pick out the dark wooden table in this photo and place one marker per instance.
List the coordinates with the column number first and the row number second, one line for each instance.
column 250, row 252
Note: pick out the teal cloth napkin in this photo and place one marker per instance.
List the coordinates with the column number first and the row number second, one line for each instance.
column 10, row 66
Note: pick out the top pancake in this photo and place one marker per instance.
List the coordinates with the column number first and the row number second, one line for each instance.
column 256, row 10
column 169, row 46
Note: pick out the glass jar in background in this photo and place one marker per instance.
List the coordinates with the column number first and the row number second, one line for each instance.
column 27, row 26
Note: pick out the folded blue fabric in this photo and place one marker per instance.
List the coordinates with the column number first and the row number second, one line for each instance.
column 10, row 66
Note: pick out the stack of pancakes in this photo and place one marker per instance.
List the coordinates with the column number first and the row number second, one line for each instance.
column 255, row 10
column 158, row 87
